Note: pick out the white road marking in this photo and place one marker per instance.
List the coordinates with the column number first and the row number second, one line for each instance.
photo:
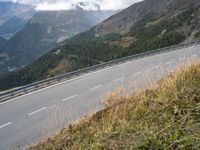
column 96, row 87
column 120, row 79
column 195, row 55
column 6, row 124
column 182, row 59
column 88, row 74
column 154, row 67
column 137, row 73
column 168, row 63
column 68, row 98
column 37, row 111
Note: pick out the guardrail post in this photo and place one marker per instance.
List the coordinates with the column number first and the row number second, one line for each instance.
column 12, row 94
column 36, row 86
column 66, row 76
column 25, row 90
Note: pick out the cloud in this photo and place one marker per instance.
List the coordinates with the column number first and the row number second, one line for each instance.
column 71, row 4
column 54, row 6
column 67, row 6
column 117, row 4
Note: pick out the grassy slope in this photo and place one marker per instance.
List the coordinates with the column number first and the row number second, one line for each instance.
column 164, row 117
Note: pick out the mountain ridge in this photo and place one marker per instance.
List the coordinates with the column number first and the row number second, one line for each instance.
column 13, row 17
column 43, row 32
column 153, row 30
column 128, row 17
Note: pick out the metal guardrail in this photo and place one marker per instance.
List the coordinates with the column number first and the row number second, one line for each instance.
column 51, row 81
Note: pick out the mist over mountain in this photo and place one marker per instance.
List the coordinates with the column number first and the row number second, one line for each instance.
column 142, row 27
column 69, row 4
column 13, row 17
column 43, row 32
column 2, row 41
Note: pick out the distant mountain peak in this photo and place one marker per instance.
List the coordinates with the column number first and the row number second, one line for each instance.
column 13, row 17
column 126, row 19
column 45, row 30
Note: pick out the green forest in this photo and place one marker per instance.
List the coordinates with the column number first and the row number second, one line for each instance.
column 86, row 50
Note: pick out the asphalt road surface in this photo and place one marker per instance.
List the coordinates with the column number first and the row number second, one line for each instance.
column 28, row 119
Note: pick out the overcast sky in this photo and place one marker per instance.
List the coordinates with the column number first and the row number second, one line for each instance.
column 69, row 4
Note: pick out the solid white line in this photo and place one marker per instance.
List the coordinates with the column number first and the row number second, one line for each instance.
column 69, row 98
column 96, row 87
column 120, row 79
column 6, row 124
column 168, row 63
column 37, row 111
column 95, row 72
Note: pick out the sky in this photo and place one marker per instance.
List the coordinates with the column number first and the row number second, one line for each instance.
column 70, row 4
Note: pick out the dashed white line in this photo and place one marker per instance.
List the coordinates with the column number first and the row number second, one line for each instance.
column 6, row 124
column 82, row 76
column 195, row 55
column 155, row 67
column 168, row 63
column 37, row 111
column 182, row 59
column 96, row 87
column 68, row 98
column 137, row 73
column 120, row 79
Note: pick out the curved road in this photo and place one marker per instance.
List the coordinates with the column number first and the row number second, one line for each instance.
column 27, row 119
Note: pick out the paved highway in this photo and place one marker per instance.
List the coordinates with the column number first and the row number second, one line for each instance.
column 27, row 119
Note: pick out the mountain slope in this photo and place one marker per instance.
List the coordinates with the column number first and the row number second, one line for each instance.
column 13, row 17
column 43, row 32
column 2, row 41
column 123, row 21
column 11, row 26
column 165, row 23
column 104, row 14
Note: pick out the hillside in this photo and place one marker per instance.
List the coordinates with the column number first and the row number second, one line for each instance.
column 44, row 32
column 163, row 117
column 11, row 27
column 125, row 20
column 2, row 41
column 13, row 17
column 168, row 22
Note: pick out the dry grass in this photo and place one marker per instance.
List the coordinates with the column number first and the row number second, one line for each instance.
column 166, row 116
column 124, row 42
column 60, row 68
column 114, row 98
